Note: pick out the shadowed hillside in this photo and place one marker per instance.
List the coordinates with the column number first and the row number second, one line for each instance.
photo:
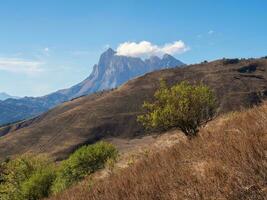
column 87, row 119
column 227, row 160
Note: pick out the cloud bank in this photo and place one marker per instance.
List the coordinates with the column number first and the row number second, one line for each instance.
column 20, row 66
column 146, row 49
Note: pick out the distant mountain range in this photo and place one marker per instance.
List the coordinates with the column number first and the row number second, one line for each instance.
column 4, row 96
column 111, row 71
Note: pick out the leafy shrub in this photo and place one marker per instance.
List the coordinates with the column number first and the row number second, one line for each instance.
column 29, row 177
column 82, row 162
column 2, row 171
column 183, row 105
column 38, row 185
column 26, row 178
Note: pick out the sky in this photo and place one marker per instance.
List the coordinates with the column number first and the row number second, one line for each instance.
column 53, row 44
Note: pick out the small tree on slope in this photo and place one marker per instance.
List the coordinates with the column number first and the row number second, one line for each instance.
column 183, row 105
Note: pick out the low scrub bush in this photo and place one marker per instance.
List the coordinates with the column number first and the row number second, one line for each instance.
column 230, row 61
column 26, row 177
column 183, row 105
column 29, row 177
column 38, row 185
column 82, row 162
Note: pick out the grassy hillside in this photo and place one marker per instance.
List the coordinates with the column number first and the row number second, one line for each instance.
column 227, row 160
column 237, row 84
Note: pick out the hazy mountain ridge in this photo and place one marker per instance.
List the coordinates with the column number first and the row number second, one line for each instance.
column 111, row 71
column 4, row 96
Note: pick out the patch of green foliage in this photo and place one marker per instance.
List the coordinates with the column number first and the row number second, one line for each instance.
column 26, row 177
column 84, row 161
column 183, row 106
column 29, row 177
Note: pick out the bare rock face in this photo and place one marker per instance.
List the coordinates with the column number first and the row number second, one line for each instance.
column 111, row 71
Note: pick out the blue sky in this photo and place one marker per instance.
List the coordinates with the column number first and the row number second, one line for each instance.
column 53, row 44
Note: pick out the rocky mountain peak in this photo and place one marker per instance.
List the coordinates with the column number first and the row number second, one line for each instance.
column 110, row 51
column 111, row 71
column 167, row 56
column 168, row 60
column 106, row 57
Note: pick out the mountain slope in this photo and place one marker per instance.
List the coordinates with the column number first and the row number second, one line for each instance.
column 110, row 72
column 113, row 113
column 228, row 156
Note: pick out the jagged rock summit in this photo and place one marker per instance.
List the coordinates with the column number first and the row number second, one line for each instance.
column 113, row 70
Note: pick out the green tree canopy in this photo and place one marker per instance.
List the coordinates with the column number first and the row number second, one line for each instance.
column 183, row 105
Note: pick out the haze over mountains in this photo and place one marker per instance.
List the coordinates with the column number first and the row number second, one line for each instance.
column 111, row 71
column 4, row 96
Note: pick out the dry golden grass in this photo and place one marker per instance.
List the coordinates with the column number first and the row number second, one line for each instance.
column 228, row 160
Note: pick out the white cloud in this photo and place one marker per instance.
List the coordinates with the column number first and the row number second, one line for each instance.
column 46, row 49
column 20, row 66
column 145, row 48
column 211, row 32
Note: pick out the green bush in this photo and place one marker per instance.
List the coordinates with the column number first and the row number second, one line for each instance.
column 82, row 162
column 26, row 178
column 184, row 106
column 38, row 185
column 29, row 177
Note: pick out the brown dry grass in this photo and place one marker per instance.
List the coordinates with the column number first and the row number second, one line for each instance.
column 228, row 160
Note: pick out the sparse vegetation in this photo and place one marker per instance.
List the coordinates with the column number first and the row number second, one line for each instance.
column 29, row 177
column 26, row 177
column 110, row 164
column 183, row 105
column 227, row 161
column 227, row 61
